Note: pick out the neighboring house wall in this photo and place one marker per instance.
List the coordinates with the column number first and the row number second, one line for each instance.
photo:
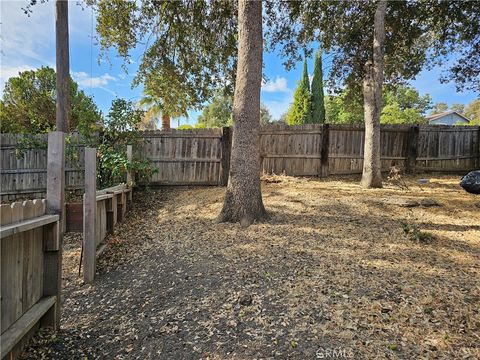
column 449, row 119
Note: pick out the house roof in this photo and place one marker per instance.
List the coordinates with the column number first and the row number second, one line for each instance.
column 441, row 115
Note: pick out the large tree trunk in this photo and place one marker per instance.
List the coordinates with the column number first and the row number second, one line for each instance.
column 243, row 200
column 165, row 121
column 63, row 66
column 372, row 96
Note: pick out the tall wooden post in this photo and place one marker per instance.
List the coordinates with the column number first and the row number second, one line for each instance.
column 63, row 65
column 412, row 149
column 324, row 150
column 226, row 141
column 129, row 158
column 55, row 205
column 130, row 180
column 89, row 215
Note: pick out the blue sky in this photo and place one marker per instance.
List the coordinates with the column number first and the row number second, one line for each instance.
column 29, row 42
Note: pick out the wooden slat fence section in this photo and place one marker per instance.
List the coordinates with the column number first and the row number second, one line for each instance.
column 346, row 148
column 448, row 148
column 195, row 157
column 184, row 157
column 26, row 176
column 293, row 150
column 25, row 232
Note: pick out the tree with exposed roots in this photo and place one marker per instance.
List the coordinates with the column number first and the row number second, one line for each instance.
column 243, row 199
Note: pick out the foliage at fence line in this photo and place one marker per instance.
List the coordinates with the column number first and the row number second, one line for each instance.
column 120, row 129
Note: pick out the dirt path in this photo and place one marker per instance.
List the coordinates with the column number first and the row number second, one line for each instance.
column 338, row 272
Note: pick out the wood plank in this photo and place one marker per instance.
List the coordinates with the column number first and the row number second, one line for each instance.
column 52, row 262
column 100, row 250
column 291, row 156
column 19, row 227
column 104, row 197
column 180, row 160
column 12, row 271
column 11, row 336
column 89, row 215
column 129, row 158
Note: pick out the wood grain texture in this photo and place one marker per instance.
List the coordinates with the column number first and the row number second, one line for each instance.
column 184, row 156
column 89, row 215
column 26, row 175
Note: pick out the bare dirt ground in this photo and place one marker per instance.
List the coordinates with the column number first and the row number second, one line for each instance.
column 337, row 272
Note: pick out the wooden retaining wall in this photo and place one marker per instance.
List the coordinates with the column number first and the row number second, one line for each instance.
column 29, row 251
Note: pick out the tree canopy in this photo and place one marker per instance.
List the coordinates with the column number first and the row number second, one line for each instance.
column 439, row 108
column 472, row 112
column 218, row 113
column 190, row 45
column 401, row 105
column 28, row 104
column 419, row 34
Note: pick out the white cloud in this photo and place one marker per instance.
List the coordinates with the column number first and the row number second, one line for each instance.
column 10, row 71
column 277, row 85
column 27, row 39
column 86, row 81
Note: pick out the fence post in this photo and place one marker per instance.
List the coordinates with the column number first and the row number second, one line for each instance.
column 412, row 149
column 52, row 276
column 478, row 149
column 324, row 150
column 89, row 215
column 226, row 150
column 130, row 179
column 129, row 158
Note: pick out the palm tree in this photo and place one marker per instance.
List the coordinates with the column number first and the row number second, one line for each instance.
column 156, row 105
column 153, row 106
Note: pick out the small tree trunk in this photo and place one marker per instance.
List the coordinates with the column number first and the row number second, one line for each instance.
column 243, row 200
column 165, row 121
column 372, row 95
column 63, row 66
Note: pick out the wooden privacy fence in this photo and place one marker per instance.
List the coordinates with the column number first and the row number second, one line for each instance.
column 30, row 268
column 201, row 157
column 23, row 173
column 102, row 210
column 185, row 157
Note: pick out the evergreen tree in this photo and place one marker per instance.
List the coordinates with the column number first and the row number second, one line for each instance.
column 318, row 104
column 300, row 111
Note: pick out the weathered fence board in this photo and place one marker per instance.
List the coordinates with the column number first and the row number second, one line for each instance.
column 26, row 175
column 293, row 150
column 25, row 235
column 448, row 148
column 184, row 156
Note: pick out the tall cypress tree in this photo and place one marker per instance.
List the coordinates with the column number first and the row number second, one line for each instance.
column 318, row 103
column 300, row 111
